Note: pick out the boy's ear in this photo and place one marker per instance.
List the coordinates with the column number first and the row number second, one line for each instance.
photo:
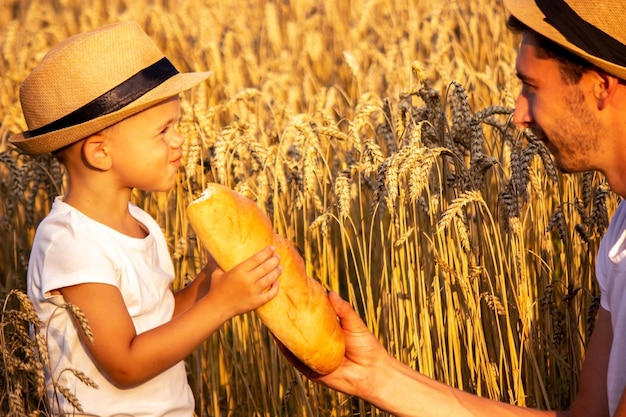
column 95, row 152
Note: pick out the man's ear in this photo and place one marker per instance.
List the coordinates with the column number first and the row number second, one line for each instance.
column 95, row 152
column 604, row 88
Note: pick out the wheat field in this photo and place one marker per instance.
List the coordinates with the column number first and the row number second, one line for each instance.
column 376, row 134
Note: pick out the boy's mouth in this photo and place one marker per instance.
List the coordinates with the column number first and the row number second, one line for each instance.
column 176, row 160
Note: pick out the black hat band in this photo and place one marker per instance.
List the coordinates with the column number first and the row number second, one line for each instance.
column 581, row 33
column 113, row 100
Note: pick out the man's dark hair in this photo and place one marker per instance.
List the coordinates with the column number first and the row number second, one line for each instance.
column 571, row 65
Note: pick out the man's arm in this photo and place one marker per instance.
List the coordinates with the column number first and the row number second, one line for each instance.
column 592, row 398
column 369, row 372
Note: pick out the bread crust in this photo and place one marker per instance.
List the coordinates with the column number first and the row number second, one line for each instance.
column 232, row 228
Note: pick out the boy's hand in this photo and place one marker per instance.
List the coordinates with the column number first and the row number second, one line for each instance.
column 248, row 285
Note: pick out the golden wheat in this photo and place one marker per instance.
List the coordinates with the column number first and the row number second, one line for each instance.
column 377, row 137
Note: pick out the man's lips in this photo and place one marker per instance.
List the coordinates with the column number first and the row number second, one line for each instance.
column 538, row 134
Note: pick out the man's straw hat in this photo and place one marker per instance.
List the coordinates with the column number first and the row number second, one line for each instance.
column 93, row 80
column 593, row 30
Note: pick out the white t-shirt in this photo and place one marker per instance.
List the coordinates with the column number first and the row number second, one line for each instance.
column 611, row 274
column 70, row 248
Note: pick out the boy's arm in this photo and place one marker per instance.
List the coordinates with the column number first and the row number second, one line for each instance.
column 198, row 288
column 129, row 359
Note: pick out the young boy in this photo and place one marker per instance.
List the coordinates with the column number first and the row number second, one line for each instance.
column 105, row 102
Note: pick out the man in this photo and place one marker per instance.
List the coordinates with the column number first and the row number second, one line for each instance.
column 572, row 64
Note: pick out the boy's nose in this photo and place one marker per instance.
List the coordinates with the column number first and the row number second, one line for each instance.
column 177, row 140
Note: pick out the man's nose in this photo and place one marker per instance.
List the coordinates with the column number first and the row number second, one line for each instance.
column 522, row 116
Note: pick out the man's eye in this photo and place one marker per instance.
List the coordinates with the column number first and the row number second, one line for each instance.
column 527, row 87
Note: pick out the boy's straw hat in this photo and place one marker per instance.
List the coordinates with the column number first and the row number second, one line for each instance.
column 593, row 30
column 93, row 80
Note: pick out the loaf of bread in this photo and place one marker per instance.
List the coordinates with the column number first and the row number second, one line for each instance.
column 232, row 228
